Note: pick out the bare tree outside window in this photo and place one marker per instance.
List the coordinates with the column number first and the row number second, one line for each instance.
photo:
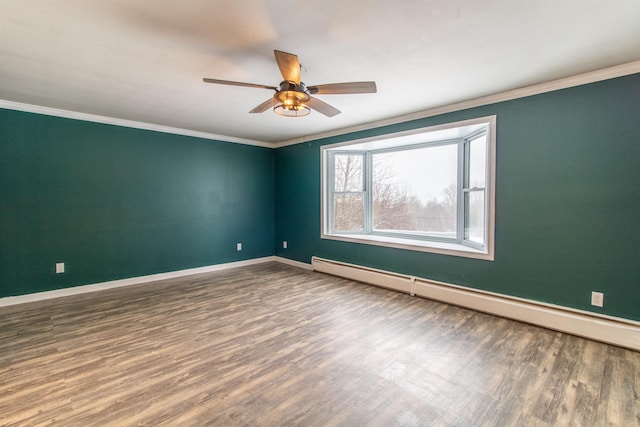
column 348, row 202
column 402, row 200
column 413, row 193
column 428, row 189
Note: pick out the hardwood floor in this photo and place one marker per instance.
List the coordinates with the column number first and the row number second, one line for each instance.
column 274, row 345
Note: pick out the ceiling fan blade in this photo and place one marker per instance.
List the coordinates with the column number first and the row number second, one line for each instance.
column 343, row 88
column 269, row 103
column 229, row 82
column 289, row 66
column 322, row 107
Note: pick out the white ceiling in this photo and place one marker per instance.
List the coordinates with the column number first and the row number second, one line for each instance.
column 144, row 60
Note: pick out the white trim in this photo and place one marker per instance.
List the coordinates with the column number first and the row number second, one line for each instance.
column 536, row 89
column 430, row 246
column 48, row 111
column 76, row 290
column 609, row 329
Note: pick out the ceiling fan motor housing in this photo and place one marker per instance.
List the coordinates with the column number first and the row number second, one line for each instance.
column 291, row 93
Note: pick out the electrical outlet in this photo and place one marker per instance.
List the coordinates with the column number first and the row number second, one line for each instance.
column 59, row 267
column 597, row 299
column 239, row 246
column 284, row 244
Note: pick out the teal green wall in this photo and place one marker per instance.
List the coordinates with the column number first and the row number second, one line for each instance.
column 114, row 202
column 567, row 201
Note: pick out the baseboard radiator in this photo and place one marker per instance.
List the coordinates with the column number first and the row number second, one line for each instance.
column 611, row 330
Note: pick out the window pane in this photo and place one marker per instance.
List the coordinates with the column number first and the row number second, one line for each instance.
column 474, row 219
column 477, row 162
column 348, row 214
column 348, row 172
column 414, row 191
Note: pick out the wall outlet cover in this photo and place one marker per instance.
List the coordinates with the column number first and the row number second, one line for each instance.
column 597, row 299
column 59, row 267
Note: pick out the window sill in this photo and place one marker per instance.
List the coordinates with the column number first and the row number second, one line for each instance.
column 443, row 248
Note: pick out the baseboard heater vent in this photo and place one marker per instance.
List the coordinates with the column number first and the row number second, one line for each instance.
column 384, row 279
column 611, row 330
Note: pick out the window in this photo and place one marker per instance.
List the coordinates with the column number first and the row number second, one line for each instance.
column 429, row 189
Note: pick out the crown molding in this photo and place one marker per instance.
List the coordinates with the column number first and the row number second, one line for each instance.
column 536, row 89
column 564, row 83
column 57, row 112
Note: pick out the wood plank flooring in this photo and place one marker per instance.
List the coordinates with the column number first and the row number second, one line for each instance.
column 274, row 345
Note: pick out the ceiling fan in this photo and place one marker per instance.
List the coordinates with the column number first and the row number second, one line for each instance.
column 293, row 98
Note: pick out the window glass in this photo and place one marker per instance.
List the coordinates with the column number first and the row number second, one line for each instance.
column 348, row 212
column 415, row 190
column 427, row 189
column 474, row 218
column 348, row 172
column 477, row 162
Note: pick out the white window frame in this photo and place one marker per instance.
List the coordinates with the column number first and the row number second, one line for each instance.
column 428, row 136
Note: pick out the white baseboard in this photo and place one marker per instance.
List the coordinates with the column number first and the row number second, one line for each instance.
column 57, row 293
column 608, row 329
column 612, row 330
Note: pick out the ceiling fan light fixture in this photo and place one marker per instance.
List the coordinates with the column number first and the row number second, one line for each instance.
column 292, row 110
column 292, row 103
